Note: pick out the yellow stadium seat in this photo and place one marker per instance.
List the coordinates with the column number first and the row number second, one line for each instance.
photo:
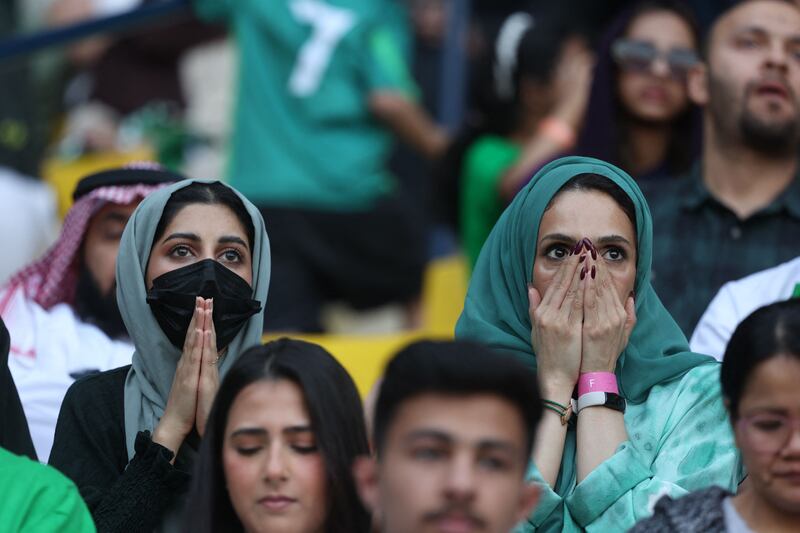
column 365, row 356
column 64, row 175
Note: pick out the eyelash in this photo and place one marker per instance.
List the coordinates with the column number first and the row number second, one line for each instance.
column 565, row 249
column 303, row 450
column 173, row 252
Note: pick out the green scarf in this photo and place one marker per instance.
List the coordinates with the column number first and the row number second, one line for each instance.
column 155, row 359
column 496, row 307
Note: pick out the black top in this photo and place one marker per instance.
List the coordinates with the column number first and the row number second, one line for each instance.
column 697, row 512
column 15, row 435
column 90, row 449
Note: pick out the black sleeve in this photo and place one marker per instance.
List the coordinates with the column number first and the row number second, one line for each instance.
column 90, row 449
column 15, row 435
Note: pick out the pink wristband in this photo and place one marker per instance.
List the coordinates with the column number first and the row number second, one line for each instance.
column 597, row 382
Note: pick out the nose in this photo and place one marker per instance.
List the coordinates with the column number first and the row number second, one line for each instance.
column 792, row 448
column 461, row 479
column 777, row 57
column 660, row 67
column 275, row 468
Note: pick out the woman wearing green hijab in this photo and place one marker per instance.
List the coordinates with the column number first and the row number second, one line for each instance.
column 192, row 275
column 563, row 282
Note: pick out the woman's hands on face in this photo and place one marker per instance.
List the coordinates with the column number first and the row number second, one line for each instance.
column 195, row 383
column 209, row 372
column 607, row 322
column 556, row 328
column 579, row 325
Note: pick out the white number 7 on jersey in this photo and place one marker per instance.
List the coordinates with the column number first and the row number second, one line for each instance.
column 328, row 25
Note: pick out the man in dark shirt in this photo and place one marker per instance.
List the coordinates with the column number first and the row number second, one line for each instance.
column 738, row 211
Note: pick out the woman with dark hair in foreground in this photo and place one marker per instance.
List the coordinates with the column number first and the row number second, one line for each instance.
column 285, row 428
column 760, row 373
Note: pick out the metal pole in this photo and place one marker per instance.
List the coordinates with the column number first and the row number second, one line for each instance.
column 453, row 88
column 25, row 44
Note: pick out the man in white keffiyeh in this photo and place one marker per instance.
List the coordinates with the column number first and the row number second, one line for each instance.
column 61, row 310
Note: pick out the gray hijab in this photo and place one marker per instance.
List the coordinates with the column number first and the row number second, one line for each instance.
column 155, row 359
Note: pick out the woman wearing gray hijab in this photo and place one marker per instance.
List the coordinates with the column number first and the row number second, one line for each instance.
column 192, row 276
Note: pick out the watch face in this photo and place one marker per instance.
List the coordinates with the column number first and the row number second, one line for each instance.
column 615, row 401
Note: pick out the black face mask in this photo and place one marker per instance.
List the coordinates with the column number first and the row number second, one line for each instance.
column 172, row 300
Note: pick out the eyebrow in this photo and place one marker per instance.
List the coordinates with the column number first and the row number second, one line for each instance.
column 429, row 434
column 493, row 444
column 115, row 217
column 560, row 237
column 763, row 32
column 225, row 239
column 613, row 239
column 258, row 432
column 232, row 239
column 608, row 239
column 188, row 236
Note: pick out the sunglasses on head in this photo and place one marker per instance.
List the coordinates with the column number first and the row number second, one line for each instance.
column 639, row 56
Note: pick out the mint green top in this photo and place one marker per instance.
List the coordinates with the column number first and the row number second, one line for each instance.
column 35, row 497
column 484, row 163
column 303, row 133
column 679, row 436
column 679, row 441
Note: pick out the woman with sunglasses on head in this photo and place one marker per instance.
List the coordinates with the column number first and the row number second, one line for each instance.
column 563, row 283
column 282, row 436
column 192, row 276
column 760, row 376
column 639, row 116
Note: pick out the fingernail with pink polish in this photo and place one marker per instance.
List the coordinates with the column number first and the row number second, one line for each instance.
column 583, row 273
column 594, row 272
column 582, row 258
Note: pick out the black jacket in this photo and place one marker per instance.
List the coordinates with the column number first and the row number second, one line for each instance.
column 90, row 449
column 15, row 435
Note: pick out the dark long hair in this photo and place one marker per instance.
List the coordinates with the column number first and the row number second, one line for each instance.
column 604, row 127
column 770, row 331
column 337, row 419
column 493, row 111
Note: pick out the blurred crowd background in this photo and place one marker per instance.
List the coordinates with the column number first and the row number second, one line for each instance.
column 159, row 80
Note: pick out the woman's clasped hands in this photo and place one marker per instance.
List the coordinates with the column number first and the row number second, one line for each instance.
column 196, row 381
column 579, row 325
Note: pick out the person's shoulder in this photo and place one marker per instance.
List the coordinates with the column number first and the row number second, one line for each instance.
column 697, row 511
column 42, row 497
column 699, row 381
column 765, row 283
column 105, row 383
column 487, row 150
column 32, row 476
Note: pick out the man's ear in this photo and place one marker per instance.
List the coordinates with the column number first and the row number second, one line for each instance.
column 365, row 472
column 528, row 500
column 697, row 84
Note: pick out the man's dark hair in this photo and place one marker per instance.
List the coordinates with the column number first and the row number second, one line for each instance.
column 456, row 368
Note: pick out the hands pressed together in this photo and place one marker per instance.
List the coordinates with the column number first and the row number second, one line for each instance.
column 579, row 325
column 196, row 381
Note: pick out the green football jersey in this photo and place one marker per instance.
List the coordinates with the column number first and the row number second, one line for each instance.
column 303, row 134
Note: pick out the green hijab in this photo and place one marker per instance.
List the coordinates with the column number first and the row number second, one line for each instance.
column 155, row 360
column 496, row 307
